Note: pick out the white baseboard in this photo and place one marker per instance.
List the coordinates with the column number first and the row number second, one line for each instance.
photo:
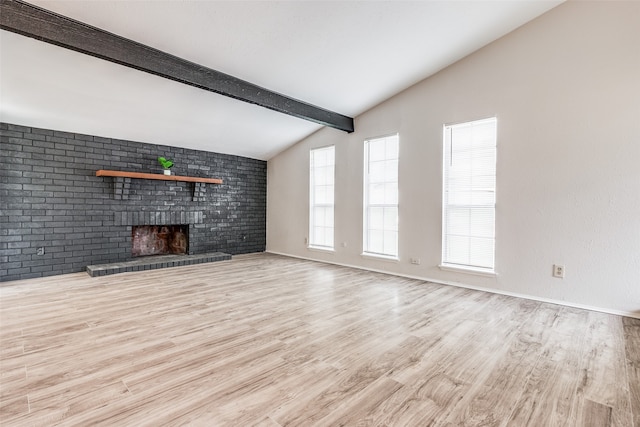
column 477, row 288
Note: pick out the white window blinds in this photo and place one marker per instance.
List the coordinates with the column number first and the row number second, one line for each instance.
column 469, row 195
column 380, row 235
column 321, row 180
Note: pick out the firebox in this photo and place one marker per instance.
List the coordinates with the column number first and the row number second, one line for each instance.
column 159, row 239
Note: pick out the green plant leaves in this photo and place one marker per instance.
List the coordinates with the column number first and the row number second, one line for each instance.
column 165, row 163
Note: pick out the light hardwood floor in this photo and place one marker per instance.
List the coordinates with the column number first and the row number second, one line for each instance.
column 272, row 341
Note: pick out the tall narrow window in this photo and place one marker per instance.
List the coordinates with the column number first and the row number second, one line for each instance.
column 322, row 162
column 381, row 196
column 469, row 195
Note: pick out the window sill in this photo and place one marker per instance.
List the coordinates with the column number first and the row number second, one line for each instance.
column 325, row 249
column 468, row 270
column 379, row 257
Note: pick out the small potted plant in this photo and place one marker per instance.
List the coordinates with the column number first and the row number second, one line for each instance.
column 166, row 165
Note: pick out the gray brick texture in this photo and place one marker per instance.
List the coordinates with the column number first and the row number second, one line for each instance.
column 51, row 198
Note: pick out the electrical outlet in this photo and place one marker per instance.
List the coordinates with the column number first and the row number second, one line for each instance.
column 344, row 244
column 415, row 261
column 558, row 271
column 306, row 240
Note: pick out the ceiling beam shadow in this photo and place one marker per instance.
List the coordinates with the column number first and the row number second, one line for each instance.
column 32, row 21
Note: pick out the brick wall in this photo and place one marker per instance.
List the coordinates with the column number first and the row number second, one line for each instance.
column 50, row 198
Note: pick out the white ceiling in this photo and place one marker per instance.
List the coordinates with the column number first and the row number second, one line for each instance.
column 345, row 56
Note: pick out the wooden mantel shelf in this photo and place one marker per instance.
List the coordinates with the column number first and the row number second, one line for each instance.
column 140, row 175
column 122, row 182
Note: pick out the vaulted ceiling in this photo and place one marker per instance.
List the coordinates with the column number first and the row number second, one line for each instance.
column 344, row 56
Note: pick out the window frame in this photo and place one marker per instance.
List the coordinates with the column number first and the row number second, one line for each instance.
column 446, row 261
column 367, row 250
column 313, row 242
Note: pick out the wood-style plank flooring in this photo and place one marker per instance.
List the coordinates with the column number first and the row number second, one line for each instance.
column 266, row 340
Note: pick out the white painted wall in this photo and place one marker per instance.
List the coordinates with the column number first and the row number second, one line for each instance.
column 566, row 90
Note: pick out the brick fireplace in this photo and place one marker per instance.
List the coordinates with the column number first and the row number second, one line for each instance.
column 160, row 232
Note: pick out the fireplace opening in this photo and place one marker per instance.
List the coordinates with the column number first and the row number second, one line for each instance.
column 159, row 239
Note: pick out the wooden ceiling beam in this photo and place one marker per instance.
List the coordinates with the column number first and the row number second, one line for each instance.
column 32, row 21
